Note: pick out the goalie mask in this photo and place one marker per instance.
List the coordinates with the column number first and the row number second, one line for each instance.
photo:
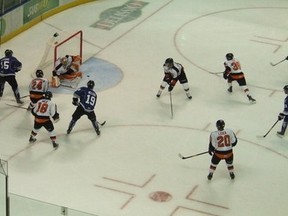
column 64, row 61
column 220, row 124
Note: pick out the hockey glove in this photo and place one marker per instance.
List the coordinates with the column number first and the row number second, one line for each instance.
column 286, row 58
column 54, row 73
column 75, row 102
column 170, row 88
column 226, row 75
column 56, row 117
column 281, row 116
column 211, row 152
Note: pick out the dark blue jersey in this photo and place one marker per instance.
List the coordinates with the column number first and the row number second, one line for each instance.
column 87, row 98
column 9, row 66
column 285, row 111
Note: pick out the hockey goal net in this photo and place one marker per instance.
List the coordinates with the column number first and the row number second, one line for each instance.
column 58, row 46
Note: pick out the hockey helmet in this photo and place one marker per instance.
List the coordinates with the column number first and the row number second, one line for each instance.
column 90, row 84
column 169, row 62
column 229, row 56
column 220, row 124
column 48, row 95
column 285, row 88
column 8, row 53
column 39, row 73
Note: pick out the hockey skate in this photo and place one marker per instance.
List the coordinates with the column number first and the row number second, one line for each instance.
column 252, row 100
column 229, row 89
column 232, row 175
column 69, row 130
column 20, row 102
column 32, row 139
column 97, row 131
column 158, row 94
column 55, row 145
column 210, row 175
column 188, row 95
column 280, row 134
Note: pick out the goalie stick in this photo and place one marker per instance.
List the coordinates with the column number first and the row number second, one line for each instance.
column 277, row 62
column 182, row 157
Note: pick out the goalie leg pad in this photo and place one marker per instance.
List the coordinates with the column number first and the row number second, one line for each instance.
column 55, row 82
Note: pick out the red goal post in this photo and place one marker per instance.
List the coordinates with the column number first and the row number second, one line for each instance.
column 72, row 45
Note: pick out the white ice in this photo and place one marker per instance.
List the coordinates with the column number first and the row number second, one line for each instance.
column 137, row 152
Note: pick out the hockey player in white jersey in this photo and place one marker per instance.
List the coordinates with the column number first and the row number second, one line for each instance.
column 173, row 72
column 221, row 143
column 44, row 110
column 37, row 88
column 233, row 72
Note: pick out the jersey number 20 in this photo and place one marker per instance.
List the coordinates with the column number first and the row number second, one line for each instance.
column 223, row 140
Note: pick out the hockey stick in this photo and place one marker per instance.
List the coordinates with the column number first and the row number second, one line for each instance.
column 269, row 130
column 20, row 107
column 171, row 105
column 277, row 62
column 24, row 96
column 182, row 157
column 215, row 72
column 103, row 123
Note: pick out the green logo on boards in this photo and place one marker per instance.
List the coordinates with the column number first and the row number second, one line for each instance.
column 125, row 13
column 35, row 8
column 2, row 26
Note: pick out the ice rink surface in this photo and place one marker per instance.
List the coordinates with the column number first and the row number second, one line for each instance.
column 134, row 164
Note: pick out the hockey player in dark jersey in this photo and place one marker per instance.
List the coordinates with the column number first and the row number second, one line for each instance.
column 9, row 66
column 284, row 115
column 85, row 99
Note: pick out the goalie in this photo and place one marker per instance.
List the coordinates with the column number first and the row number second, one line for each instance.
column 67, row 69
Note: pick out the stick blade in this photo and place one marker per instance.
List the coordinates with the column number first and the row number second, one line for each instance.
column 272, row 64
column 181, row 156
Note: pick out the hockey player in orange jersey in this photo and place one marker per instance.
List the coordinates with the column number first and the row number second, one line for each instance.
column 67, row 68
